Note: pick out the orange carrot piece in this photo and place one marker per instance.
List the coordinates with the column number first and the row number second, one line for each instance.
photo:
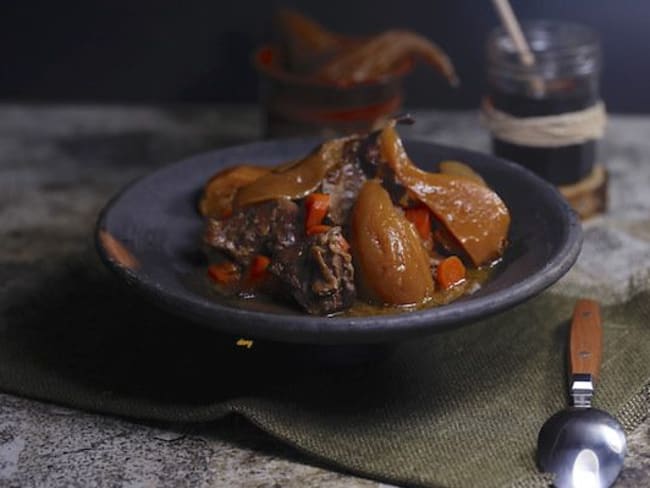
column 258, row 267
column 223, row 273
column 317, row 229
column 317, row 205
column 420, row 217
column 451, row 271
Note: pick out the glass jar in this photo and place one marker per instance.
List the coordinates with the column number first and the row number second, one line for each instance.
column 293, row 105
column 564, row 79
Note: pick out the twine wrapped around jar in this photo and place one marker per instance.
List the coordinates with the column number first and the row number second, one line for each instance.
column 547, row 130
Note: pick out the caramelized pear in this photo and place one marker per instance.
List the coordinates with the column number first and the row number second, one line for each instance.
column 382, row 55
column 391, row 264
column 456, row 168
column 219, row 191
column 311, row 50
column 306, row 42
column 294, row 181
column 472, row 213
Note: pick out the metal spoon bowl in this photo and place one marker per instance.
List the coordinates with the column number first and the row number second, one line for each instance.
column 583, row 447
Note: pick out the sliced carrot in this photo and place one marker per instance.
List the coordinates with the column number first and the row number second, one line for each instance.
column 317, row 205
column 420, row 216
column 223, row 273
column 258, row 267
column 451, row 271
column 318, row 229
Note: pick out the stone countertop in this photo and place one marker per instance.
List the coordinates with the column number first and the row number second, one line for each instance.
column 59, row 165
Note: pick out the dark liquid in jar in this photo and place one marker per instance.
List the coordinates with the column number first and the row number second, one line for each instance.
column 560, row 165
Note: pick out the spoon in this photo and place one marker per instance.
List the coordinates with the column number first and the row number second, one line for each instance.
column 582, row 446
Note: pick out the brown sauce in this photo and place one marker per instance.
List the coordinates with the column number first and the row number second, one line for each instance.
column 476, row 278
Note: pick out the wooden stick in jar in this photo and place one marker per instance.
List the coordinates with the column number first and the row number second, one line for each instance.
column 512, row 27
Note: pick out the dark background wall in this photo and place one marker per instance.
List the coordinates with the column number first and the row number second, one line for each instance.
column 199, row 50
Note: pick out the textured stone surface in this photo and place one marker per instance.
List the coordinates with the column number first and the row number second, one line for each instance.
column 58, row 166
column 42, row 445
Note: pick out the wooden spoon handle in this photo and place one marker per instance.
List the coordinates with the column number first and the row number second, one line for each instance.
column 586, row 339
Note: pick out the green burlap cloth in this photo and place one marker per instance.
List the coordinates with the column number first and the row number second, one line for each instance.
column 458, row 409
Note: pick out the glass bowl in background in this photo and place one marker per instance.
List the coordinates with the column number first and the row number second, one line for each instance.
column 296, row 105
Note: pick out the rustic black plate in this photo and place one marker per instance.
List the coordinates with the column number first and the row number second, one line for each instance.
column 149, row 234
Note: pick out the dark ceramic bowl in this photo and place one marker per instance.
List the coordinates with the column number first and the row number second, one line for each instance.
column 149, row 235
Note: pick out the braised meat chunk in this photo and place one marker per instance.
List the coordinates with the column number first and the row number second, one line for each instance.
column 259, row 229
column 343, row 183
column 318, row 272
